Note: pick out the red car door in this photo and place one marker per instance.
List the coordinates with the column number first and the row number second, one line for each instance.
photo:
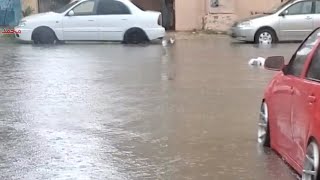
column 291, row 97
column 281, row 103
column 306, row 92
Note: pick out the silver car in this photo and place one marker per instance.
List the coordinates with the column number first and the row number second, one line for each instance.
column 292, row 20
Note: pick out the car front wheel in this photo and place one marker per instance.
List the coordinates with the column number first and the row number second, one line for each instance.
column 263, row 126
column 311, row 162
column 44, row 35
column 265, row 36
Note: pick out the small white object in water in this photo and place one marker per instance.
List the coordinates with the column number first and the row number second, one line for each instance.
column 257, row 61
column 172, row 40
column 166, row 42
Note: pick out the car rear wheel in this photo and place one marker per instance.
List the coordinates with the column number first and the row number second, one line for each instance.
column 263, row 126
column 44, row 35
column 265, row 36
column 311, row 162
column 135, row 36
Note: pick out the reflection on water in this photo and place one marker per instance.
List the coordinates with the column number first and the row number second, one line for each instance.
column 102, row 111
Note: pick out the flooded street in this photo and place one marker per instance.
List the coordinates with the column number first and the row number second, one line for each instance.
column 110, row 111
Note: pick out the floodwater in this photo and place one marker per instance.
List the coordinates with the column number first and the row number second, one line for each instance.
column 110, row 111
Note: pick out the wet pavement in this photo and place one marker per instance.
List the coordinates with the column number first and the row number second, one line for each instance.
column 110, row 111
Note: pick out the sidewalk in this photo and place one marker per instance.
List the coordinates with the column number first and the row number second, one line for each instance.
column 192, row 35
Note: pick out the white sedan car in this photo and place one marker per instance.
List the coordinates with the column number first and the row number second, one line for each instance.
column 93, row 20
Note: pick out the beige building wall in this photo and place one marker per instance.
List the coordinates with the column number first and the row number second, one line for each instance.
column 245, row 7
column 32, row 3
column 190, row 14
column 194, row 14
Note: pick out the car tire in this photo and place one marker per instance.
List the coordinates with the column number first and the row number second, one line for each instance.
column 263, row 126
column 44, row 35
column 135, row 36
column 265, row 36
column 311, row 162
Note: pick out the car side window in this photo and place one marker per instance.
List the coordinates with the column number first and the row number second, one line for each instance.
column 314, row 68
column 317, row 7
column 85, row 8
column 109, row 7
column 298, row 60
column 300, row 8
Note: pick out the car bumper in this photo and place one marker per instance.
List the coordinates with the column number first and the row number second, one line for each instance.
column 155, row 33
column 243, row 33
column 25, row 34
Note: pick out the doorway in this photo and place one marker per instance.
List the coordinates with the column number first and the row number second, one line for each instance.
column 50, row 5
column 166, row 7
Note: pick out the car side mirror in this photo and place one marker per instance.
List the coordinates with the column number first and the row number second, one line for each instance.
column 71, row 13
column 284, row 13
column 274, row 63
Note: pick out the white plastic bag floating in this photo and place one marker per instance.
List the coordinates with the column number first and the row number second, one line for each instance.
column 257, row 62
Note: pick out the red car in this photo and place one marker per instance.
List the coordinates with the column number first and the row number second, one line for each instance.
column 290, row 112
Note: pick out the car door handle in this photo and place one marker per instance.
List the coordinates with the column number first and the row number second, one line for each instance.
column 312, row 99
column 90, row 20
column 124, row 19
column 308, row 18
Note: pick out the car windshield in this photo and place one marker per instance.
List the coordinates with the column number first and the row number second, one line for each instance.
column 66, row 7
column 277, row 7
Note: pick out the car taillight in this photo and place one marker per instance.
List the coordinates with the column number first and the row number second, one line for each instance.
column 160, row 20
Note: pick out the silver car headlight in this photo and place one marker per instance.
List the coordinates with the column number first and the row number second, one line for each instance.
column 22, row 23
column 244, row 24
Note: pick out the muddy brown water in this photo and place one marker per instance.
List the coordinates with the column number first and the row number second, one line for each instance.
column 109, row 111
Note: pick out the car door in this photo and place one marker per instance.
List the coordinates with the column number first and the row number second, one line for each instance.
column 294, row 70
column 296, row 22
column 114, row 18
column 282, row 101
column 305, row 93
column 81, row 23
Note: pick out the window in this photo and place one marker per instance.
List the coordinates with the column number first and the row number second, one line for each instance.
column 314, row 68
column 300, row 8
column 85, row 8
column 296, row 64
column 112, row 7
column 318, row 7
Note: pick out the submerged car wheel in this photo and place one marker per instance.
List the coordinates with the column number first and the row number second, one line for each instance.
column 263, row 126
column 311, row 162
column 135, row 36
column 44, row 35
column 265, row 36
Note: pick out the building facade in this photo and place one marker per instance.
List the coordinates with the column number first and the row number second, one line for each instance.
column 189, row 15
column 216, row 15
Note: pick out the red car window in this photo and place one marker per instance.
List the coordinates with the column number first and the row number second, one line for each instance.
column 314, row 68
column 296, row 64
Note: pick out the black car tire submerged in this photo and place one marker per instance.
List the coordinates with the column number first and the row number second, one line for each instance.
column 44, row 35
column 135, row 36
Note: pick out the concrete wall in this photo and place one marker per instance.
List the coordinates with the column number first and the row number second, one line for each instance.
column 221, row 22
column 190, row 14
column 194, row 14
column 245, row 7
column 32, row 3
